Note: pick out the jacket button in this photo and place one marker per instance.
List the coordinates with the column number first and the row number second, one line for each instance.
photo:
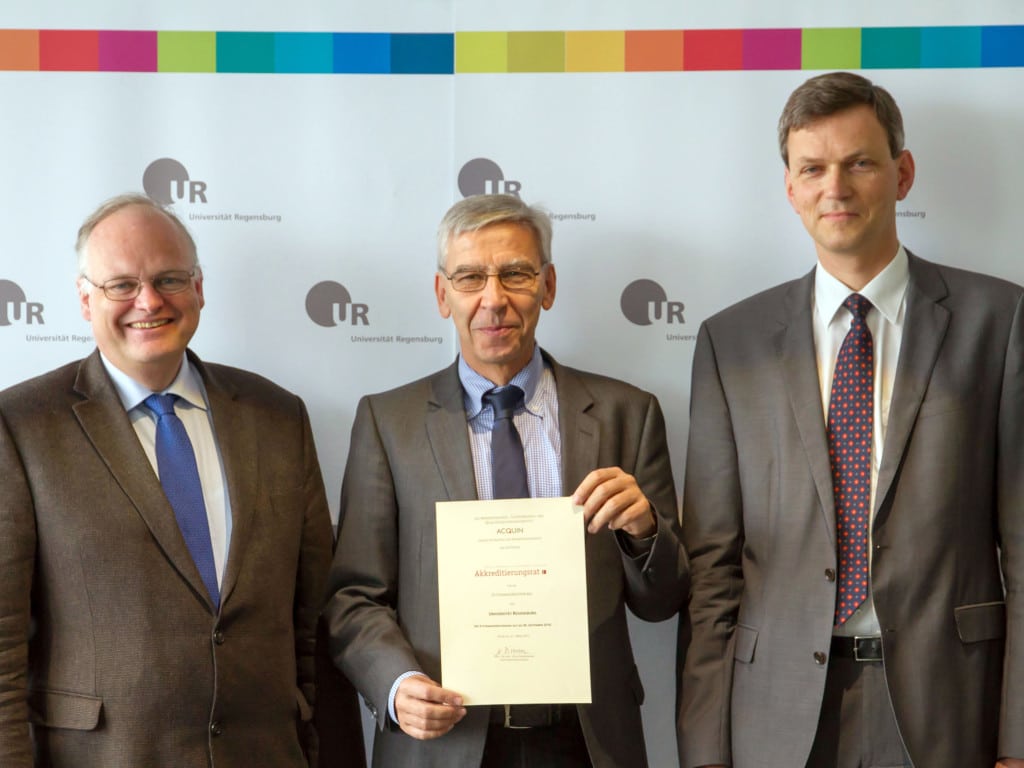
column 830, row 574
column 820, row 658
column 216, row 729
column 218, row 637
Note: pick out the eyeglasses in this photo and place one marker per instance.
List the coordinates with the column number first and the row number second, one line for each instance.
column 127, row 288
column 512, row 279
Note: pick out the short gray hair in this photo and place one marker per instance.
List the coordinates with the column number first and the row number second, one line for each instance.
column 479, row 211
column 115, row 204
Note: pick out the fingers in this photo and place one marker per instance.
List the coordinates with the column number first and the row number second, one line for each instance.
column 425, row 710
column 611, row 498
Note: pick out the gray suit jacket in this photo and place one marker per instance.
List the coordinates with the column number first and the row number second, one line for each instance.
column 410, row 448
column 759, row 523
column 109, row 645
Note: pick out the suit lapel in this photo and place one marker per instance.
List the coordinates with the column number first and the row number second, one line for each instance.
column 580, row 432
column 795, row 344
column 107, row 426
column 448, row 435
column 237, row 440
column 923, row 331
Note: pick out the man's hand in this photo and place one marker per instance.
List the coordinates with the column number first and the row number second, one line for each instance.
column 612, row 498
column 425, row 710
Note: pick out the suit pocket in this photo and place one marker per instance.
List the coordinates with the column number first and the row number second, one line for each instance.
column 57, row 709
column 746, row 641
column 981, row 621
column 945, row 404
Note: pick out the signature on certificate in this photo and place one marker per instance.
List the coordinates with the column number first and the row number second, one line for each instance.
column 507, row 652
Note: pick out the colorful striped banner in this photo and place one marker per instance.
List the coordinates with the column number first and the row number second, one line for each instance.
column 52, row 50
column 47, row 50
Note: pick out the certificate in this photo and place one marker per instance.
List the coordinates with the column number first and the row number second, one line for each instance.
column 512, row 599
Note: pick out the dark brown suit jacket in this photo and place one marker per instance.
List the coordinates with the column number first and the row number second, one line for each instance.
column 111, row 654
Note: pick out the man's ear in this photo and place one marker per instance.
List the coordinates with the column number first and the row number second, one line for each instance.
column 84, row 298
column 550, row 281
column 441, row 292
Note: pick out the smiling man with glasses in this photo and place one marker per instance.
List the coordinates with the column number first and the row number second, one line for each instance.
column 165, row 533
column 571, row 433
column 141, row 287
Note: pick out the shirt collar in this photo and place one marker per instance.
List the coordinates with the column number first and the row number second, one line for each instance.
column 475, row 386
column 187, row 385
column 885, row 291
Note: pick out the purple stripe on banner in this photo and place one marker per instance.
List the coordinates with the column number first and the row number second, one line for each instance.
column 771, row 48
column 127, row 52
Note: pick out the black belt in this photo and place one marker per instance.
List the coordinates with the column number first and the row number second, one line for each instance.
column 857, row 648
column 532, row 715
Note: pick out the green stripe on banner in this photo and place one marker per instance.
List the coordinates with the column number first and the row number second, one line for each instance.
column 186, row 51
column 831, row 49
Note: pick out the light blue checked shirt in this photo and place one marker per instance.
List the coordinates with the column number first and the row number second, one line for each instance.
column 537, row 424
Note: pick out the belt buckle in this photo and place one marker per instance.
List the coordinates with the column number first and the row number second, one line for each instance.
column 508, row 721
column 856, row 647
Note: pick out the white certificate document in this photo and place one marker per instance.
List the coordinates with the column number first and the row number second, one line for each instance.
column 512, row 598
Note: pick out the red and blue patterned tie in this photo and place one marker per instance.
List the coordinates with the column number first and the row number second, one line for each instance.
column 850, row 433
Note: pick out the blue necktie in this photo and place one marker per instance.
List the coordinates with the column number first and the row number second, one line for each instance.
column 508, row 466
column 850, row 433
column 179, row 476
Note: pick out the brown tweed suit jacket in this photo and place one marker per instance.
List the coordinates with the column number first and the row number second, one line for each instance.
column 110, row 652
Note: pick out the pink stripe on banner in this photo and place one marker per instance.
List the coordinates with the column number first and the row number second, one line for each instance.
column 127, row 51
column 771, row 48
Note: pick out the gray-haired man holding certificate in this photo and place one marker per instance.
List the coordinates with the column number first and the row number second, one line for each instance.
column 504, row 420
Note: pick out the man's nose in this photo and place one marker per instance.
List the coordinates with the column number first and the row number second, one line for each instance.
column 837, row 182
column 149, row 297
column 493, row 292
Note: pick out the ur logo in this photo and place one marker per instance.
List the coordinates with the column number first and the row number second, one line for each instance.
column 328, row 304
column 483, row 177
column 166, row 181
column 644, row 301
column 14, row 307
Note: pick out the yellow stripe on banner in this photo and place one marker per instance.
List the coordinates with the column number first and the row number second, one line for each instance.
column 595, row 51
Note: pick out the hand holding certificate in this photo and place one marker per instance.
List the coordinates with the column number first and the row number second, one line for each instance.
column 512, row 599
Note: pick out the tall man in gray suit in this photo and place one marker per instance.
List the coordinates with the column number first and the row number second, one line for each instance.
column 165, row 535
column 601, row 440
column 854, row 501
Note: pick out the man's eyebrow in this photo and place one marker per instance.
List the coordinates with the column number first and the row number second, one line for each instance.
column 519, row 264
column 805, row 159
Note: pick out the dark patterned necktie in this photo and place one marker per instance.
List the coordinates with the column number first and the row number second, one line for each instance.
column 179, row 476
column 508, row 481
column 850, row 434
column 508, row 466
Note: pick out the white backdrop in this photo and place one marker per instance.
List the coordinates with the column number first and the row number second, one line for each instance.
column 666, row 177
